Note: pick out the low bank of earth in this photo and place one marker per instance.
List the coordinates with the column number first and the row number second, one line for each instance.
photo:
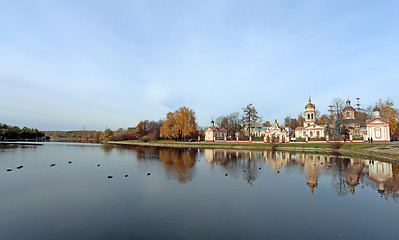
column 383, row 151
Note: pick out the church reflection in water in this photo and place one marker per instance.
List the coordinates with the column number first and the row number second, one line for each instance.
column 347, row 173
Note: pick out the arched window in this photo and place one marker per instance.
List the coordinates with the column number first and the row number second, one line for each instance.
column 308, row 116
column 347, row 114
column 311, row 134
column 312, row 115
column 317, row 133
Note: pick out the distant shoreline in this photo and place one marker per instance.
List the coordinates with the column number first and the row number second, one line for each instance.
column 381, row 151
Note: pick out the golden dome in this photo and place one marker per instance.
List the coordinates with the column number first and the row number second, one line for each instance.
column 310, row 104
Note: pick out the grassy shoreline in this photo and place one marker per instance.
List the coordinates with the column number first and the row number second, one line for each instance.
column 375, row 150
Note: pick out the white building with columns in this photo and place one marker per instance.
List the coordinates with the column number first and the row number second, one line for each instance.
column 277, row 132
column 378, row 128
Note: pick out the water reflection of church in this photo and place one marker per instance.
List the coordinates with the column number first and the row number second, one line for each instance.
column 347, row 173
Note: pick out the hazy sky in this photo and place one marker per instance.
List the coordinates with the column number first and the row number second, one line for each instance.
column 69, row 64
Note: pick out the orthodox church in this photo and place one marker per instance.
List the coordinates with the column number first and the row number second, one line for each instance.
column 376, row 128
column 349, row 120
column 310, row 128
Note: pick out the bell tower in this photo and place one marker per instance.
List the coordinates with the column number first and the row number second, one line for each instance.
column 310, row 113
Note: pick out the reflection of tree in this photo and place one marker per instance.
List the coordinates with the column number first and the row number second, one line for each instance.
column 178, row 163
column 392, row 187
column 338, row 178
column 346, row 173
column 107, row 147
column 236, row 162
column 146, row 153
column 6, row 147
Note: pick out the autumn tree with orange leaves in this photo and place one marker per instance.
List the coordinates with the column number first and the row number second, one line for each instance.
column 179, row 125
column 390, row 113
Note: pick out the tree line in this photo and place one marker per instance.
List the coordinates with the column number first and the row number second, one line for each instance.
column 8, row 132
column 181, row 124
column 178, row 125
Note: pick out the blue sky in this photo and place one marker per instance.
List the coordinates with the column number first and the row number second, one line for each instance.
column 97, row 64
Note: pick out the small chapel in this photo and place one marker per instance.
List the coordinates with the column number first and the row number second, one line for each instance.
column 377, row 127
column 213, row 133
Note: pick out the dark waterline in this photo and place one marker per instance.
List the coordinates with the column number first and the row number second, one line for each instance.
column 171, row 193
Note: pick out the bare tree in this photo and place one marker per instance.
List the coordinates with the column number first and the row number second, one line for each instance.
column 234, row 121
column 259, row 122
column 337, row 105
column 287, row 121
column 369, row 111
column 229, row 122
column 219, row 120
column 317, row 117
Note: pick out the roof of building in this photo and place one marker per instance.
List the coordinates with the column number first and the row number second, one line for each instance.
column 372, row 119
column 216, row 129
column 348, row 108
column 376, row 109
column 345, row 121
column 311, row 127
column 310, row 104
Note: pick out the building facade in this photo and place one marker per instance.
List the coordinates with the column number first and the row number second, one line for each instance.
column 275, row 132
column 213, row 133
column 350, row 122
column 378, row 128
column 310, row 128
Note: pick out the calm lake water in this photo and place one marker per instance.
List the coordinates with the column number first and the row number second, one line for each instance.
column 192, row 194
